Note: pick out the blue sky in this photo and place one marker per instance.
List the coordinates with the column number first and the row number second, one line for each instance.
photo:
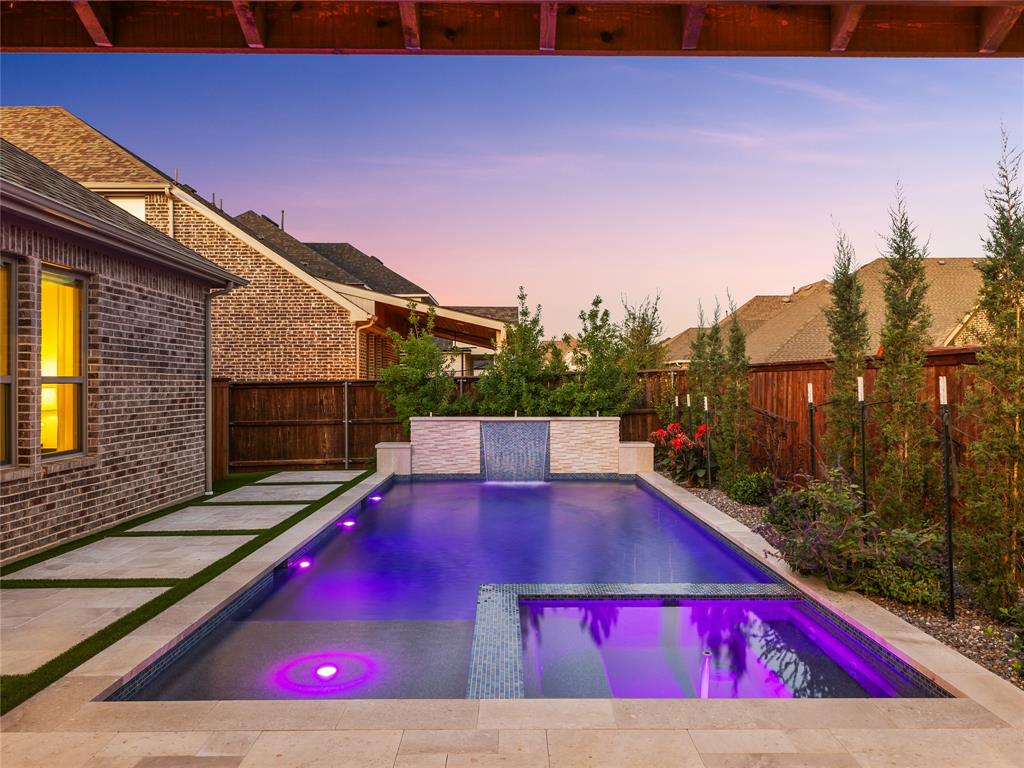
column 572, row 176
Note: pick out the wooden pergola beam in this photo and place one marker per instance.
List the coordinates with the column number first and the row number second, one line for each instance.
column 844, row 22
column 693, row 22
column 247, row 21
column 996, row 24
column 410, row 26
column 548, row 26
column 92, row 23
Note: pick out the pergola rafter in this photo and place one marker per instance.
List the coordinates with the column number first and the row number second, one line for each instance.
column 538, row 27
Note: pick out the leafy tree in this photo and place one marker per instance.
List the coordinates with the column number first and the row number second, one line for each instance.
column 605, row 383
column 421, row 381
column 642, row 332
column 901, row 486
column 520, row 374
column 990, row 541
column 848, row 334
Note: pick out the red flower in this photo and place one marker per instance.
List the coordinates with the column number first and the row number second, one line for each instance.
column 701, row 431
column 674, row 427
column 677, row 443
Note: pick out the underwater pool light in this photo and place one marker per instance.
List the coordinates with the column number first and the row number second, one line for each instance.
column 326, row 671
column 348, row 523
column 375, row 499
column 304, row 563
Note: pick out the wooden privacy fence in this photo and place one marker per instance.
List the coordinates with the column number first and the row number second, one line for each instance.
column 336, row 424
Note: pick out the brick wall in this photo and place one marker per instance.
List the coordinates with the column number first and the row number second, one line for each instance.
column 277, row 328
column 145, row 397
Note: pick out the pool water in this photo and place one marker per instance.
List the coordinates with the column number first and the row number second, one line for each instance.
column 695, row 649
column 389, row 602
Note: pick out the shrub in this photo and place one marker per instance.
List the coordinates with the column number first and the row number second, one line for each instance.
column 1015, row 618
column 751, row 488
column 421, row 382
column 826, row 533
column 681, row 457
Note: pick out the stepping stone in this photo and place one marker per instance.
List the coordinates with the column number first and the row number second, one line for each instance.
column 135, row 557
column 222, row 517
column 314, row 476
column 38, row 624
column 274, row 493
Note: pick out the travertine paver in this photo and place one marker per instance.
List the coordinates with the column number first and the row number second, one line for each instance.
column 274, row 493
column 66, row 725
column 135, row 557
column 314, row 476
column 38, row 624
column 222, row 517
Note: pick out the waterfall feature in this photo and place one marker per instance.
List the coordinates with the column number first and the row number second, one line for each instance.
column 514, row 450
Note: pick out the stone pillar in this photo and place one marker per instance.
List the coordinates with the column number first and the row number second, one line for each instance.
column 394, row 458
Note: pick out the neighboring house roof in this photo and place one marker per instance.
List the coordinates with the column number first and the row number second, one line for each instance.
column 73, row 147
column 751, row 316
column 369, row 270
column 32, row 188
column 953, row 286
column 508, row 315
column 297, row 252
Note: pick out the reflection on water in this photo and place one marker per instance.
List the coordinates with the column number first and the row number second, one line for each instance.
column 690, row 648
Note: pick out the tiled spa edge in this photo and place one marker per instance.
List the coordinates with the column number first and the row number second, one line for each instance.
column 918, row 649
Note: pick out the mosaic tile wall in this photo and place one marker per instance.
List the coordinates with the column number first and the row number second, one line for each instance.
column 514, row 450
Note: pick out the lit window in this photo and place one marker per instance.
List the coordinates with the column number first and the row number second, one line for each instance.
column 61, row 364
column 6, row 364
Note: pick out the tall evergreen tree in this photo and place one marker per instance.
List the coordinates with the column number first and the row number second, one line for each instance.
column 734, row 420
column 696, row 374
column 990, row 540
column 715, row 373
column 901, row 491
column 848, row 335
column 642, row 332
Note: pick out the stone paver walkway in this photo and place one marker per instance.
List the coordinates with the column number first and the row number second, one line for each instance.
column 259, row 492
column 314, row 476
column 135, row 557
column 38, row 624
column 222, row 517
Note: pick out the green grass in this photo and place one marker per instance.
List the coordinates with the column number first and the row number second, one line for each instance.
column 85, row 583
column 221, row 486
column 14, row 689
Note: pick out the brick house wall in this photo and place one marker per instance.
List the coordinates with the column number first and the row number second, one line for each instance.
column 277, row 328
column 143, row 446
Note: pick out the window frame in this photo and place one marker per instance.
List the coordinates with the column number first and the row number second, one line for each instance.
column 11, row 379
column 82, row 378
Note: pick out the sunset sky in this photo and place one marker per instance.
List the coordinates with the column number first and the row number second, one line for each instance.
column 571, row 176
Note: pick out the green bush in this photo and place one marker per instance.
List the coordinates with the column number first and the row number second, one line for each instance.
column 1015, row 618
column 824, row 531
column 751, row 488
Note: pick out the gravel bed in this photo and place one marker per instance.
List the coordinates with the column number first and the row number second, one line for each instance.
column 973, row 633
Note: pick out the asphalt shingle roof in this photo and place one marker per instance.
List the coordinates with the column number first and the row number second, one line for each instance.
column 504, row 314
column 271, row 235
column 73, row 147
column 18, row 167
column 368, row 269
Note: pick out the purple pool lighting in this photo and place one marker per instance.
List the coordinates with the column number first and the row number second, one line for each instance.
column 692, row 648
column 348, row 523
column 304, row 563
column 324, row 674
column 375, row 499
column 327, row 671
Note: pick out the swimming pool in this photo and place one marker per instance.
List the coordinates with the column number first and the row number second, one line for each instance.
column 386, row 606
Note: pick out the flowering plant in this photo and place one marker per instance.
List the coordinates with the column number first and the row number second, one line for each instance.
column 682, row 457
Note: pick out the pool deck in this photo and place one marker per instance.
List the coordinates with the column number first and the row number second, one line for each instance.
column 65, row 726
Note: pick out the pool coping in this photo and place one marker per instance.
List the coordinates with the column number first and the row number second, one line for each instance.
column 74, row 703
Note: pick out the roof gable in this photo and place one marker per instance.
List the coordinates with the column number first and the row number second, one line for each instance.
column 369, row 270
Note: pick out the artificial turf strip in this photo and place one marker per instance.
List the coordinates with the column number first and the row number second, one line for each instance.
column 219, row 532
column 85, row 583
column 221, row 486
column 14, row 689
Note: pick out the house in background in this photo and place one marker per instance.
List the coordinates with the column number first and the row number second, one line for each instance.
column 104, row 376
column 305, row 314
column 782, row 329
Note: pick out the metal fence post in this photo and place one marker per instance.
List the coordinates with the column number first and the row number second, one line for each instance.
column 810, row 415
column 345, row 387
column 707, row 439
column 947, row 494
column 863, row 444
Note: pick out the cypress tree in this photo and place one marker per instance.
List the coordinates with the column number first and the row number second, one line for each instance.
column 734, row 418
column 989, row 542
column 848, row 335
column 901, row 486
column 696, row 374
